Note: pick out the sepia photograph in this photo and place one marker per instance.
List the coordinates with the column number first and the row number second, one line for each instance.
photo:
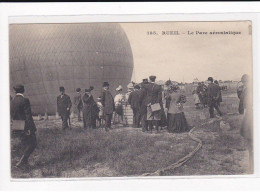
column 131, row 99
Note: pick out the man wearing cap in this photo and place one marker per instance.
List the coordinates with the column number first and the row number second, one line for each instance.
column 107, row 101
column 154, row 96
column 134, row 102
column 63, row 107
column 213, row 97
column 78, row 102
column 21, row 110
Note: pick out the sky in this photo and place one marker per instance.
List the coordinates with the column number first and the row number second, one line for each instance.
column 185, row 57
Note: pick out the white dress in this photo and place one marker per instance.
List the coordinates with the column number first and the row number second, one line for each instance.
column 119, row 99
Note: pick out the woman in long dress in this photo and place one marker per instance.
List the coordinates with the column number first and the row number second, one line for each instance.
column 89, row 110
column 176, row 119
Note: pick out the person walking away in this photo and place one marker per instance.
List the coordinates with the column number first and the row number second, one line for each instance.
column 63, row 106
column 213, row 97
column 78, row 102
column 107, row 101
column 21, row 110
column 247, row 123
column 154, row 98
column 143, row 105
column 176, row 118
column 220, row 94
column 134, row 101
column 89, row 110
column 119, row 100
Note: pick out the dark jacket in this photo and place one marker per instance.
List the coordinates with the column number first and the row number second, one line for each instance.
column 143, row 101
column 202, row 89
column 88, row 101
column 21, row 110
column 134, row 99
column 213, row 93
column 63, row 104
column 78, row 101
column 107, row 101
column 154, row 93
column 90, row 107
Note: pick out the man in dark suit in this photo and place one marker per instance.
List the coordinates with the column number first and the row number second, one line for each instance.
column 143, row 107
column 107, row 101
column 63, row 106
column 21, row 110
column 134, row 102
column 78, row 102
column 154, row 96
column 213, row 97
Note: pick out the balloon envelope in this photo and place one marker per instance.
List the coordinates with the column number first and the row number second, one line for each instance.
column 44, row 57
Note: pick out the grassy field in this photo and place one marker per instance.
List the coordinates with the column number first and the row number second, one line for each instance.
column 129, row 152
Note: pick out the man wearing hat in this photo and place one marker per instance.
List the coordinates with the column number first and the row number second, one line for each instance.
column 78, row 102
column 213, row 97
column 21, row 110
column 63, row 107
column 145, row 81
column 154, row 97
column 134, row 102
column 107, row 101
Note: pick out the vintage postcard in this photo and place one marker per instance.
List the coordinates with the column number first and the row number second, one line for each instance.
column 131, row 99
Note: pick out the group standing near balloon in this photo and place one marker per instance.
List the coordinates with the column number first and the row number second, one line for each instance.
column 153, row 107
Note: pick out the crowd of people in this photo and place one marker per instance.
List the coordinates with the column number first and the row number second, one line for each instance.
column 200, row 95
column 146, row 101
column 153, row 108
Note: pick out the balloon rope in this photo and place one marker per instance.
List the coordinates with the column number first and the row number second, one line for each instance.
column 181, row 161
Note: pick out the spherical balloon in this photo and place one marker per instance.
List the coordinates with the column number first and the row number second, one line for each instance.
column 44, row 57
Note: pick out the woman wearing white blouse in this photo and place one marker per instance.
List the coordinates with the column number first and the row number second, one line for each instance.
column 119, row 99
